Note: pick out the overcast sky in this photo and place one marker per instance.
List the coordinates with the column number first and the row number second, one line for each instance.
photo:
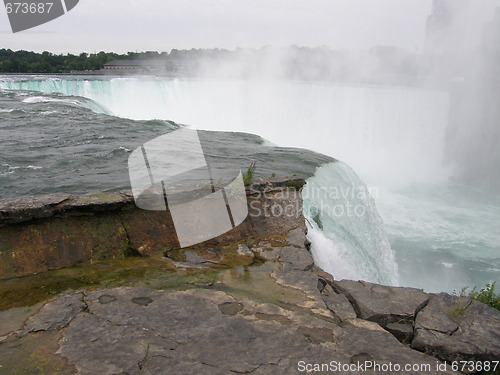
column 130, row 25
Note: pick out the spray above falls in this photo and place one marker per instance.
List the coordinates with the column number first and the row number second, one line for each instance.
column 462, row 54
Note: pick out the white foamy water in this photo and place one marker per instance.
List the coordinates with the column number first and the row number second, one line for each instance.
column 44, row 99
column 345, row 229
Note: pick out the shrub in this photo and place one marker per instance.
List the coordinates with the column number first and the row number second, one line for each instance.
column 487, row 295
column 248, row 177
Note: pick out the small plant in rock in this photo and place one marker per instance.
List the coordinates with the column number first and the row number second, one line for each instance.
column 487, row 295
column 295, row 184
column 458, row 311
column 248, row 177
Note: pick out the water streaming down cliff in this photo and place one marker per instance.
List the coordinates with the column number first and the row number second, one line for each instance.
column 393, row 137
column 346, row 233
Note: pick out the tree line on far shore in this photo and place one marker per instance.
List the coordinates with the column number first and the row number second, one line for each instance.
column 47, row 62
column 291, row 62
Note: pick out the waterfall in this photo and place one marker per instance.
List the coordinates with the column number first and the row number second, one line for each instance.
column 396, row 139
column 389, row 135
column 346, row 232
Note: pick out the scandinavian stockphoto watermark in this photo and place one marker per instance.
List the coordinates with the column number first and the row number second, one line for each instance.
column 161, row 166
column 26, row 14
column 332, row 201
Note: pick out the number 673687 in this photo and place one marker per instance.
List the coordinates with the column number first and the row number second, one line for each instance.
column 28, row 8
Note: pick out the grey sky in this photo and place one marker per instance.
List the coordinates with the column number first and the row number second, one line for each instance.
column 129, row 25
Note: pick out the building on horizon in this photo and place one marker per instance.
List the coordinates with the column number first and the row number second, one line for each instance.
column 139, row 66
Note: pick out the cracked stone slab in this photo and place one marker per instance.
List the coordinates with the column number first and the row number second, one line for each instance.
column 56, row 314
column 296, row 259
column 297, row 237
column 307, row 282
column 436, row 316
column 136, row 330
column 243, row 344
column 184, row 331
column 95, row 345
column 454, row 328
column 338, row 303
column 196, row 306
column 13, row 320
column 18, row 210
column 366, row 341
column 383, row 304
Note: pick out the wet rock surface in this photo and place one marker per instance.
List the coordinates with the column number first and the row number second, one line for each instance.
column 59, row 230
column 215, row 329
column 252, row 302
column 57, row 314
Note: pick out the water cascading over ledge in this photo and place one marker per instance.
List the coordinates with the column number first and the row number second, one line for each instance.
column 346, row 232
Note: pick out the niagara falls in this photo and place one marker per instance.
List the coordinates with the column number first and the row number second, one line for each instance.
column 250, row 188
column 395, row 139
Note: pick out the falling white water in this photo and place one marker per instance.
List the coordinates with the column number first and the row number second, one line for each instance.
column 346, row 233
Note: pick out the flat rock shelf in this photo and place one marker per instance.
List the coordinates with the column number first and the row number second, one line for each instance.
column 251, row 302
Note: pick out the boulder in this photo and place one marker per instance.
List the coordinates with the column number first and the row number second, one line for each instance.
column 456, row 328
column 383, row 304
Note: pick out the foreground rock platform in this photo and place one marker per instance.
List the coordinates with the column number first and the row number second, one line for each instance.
column 216, row 327
column 251, row 301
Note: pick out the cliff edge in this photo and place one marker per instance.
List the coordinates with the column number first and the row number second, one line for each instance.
column 249, row 302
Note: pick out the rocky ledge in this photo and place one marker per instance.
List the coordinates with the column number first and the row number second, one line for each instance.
column 298, row 319
column 53, row 231
column 252, row 302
